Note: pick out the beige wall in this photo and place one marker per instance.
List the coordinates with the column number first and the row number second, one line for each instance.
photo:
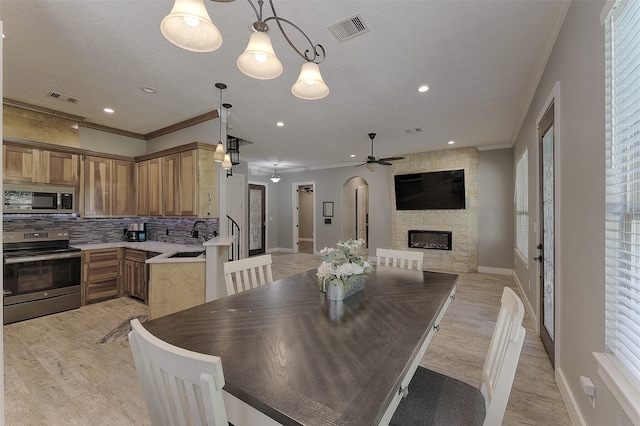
column 462, row 223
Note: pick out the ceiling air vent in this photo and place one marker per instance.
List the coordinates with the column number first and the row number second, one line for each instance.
column 414, row 130
column 349, row 28
column 63, row 98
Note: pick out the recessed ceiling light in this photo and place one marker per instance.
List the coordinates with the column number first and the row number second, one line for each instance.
column 280, row 124
column 149, row 90
column 451, row 142
column 423, row 88
column 352, row 156
column 108, row 110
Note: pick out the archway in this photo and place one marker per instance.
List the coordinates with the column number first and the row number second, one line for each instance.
column 355, row 209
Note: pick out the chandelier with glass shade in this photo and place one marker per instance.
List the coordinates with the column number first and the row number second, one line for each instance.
column 189, row 26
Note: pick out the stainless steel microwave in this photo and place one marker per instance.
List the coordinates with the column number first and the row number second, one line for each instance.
column 39, row 199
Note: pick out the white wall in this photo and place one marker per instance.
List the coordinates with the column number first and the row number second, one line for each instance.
column 207, row 132
column 577, row 63
column 495, row 209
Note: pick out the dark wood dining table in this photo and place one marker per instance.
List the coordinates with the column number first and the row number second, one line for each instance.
column 304, row 360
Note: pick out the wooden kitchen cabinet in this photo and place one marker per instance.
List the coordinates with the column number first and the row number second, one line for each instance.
column 154, row 199
column 142, row 188
column 122, row 188
column 101, row 274
column 171, row 185
column 188, row 183
column 135, row 273
column 24, row 164
column 60, row 168
column 108, row 187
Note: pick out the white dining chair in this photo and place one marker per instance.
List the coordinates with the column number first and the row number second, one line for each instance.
column 244, row 274
column 399, row 258
column 437, row 399
column 180, row 387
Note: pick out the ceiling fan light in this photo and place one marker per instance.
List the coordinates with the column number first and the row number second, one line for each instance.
column 310, row 85
column 372, row 166
column 259, row 60
column 218, row 155
column 226, row 164
column 188, row 26
column 275, row 178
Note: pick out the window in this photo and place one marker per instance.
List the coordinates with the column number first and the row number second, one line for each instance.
column 522, row 206
column 622, row 216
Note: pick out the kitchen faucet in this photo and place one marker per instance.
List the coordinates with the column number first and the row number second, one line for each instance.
column 194, row 233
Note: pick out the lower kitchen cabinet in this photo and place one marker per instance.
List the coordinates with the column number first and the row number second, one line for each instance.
column 135, row 273
column 101, row 274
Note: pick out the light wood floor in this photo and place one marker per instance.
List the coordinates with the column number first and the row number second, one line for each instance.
column 56, row 374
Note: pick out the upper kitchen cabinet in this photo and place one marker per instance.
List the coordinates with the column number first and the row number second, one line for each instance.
column 27, row 164
column 181, row 182
column 108, row 187
column 60, row 168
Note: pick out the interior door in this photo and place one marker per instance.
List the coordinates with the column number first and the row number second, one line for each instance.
column 546, row 246
column 257, row 222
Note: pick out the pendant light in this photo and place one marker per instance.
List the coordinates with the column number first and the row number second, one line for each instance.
column 275, row 178
column 218, row 155
column 310, row 85
column 259, row 60
column 188, row 26
column 226, row 164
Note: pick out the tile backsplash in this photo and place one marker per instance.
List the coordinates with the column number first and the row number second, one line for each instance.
column 88, row 230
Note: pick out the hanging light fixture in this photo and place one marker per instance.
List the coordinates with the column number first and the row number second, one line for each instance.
column 259, row 59
column 218, row 155
column 275, row 178
column 188, row 26
column 226, row 164
column 310, row 84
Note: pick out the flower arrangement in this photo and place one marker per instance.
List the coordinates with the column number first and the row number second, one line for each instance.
column 343, row 261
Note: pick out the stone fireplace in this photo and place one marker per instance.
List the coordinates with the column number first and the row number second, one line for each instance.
column 461, row 223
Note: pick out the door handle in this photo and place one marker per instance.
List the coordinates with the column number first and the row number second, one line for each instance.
column 538, row 258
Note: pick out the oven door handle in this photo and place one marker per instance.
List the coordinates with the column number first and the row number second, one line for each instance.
column 25, row 259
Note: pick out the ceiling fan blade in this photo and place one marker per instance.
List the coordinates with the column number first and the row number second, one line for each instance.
column 392, row 158
column 384, row 163
column 361, row 164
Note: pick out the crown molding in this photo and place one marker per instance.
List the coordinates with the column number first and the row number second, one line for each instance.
column 560, row 12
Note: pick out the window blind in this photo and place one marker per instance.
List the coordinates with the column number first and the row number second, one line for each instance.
column 622, row 217
column 522, row 205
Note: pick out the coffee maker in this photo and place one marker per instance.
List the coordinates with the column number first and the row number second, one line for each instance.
column 137, row 231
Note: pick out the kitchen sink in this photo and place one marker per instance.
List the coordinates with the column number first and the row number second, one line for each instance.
column 186, row 254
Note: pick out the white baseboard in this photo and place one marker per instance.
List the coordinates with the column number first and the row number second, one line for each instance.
column 533, row 315
column 569, row 399
column 496, row 271
column 277, row 249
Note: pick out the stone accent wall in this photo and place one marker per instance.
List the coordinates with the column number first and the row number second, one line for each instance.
column 462, row 223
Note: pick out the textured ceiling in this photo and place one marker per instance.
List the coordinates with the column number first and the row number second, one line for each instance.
column 478, row 57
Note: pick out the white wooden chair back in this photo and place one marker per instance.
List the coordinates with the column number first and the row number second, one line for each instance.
column 502, row 357
column 399, row 258
column 247, row 273
column 180, row 387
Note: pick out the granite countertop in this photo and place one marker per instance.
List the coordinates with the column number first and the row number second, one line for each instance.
column 165, row 250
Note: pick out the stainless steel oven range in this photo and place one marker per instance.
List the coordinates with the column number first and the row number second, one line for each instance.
column 41, row 274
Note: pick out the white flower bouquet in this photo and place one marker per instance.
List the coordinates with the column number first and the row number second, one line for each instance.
column 340, row 263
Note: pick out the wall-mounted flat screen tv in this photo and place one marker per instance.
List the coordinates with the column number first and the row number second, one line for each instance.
column 430, row 191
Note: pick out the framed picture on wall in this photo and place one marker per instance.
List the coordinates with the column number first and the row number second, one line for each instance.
column 327, row 209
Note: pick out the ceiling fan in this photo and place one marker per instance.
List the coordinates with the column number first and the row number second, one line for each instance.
column 372, row 162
